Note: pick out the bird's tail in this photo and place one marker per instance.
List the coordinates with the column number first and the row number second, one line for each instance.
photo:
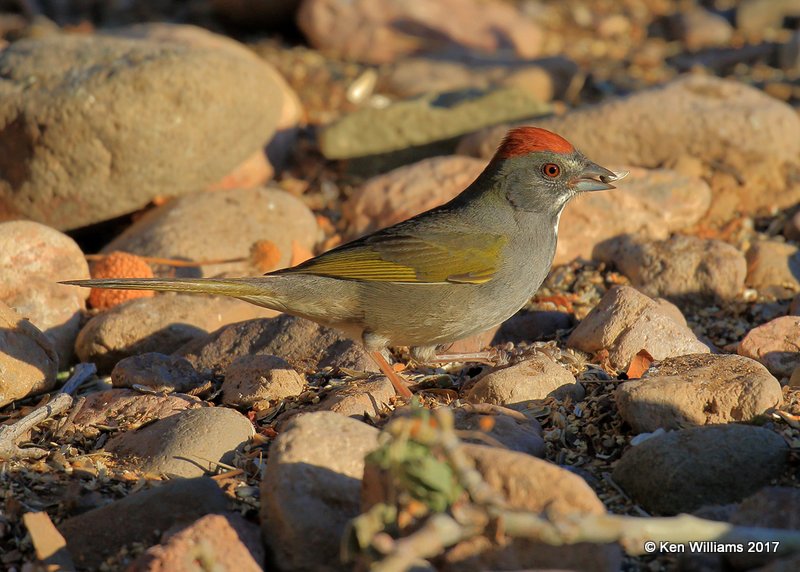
column 255, row 290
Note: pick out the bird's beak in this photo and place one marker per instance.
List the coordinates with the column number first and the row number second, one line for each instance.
column 596, row 178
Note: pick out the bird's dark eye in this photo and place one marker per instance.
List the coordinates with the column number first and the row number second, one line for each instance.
column 551, row 170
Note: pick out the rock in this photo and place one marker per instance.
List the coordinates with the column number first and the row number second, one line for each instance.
column 306, row 345
column 140, row 517
column 649, row 203
column 698, row 389
column 626, row 322
column 514, row 434
column 161, row 324
column 791, row 229
column 681, row 471
column 256, row 13
column 776, row 344
column 536, row 378
column 378, row 32
column 406, row 191
column 187, row 444
column 198, row 227
column 126, row 409
column 33, row 257
column 528, row 484
column 794, row 306
column 256, row 169
column 758, row 16
column 358, row 398
column 224, row 541
column 59, row 142
column 253, row 378
column 28, row 361
column 311, row 486
column 728, row 126
column 699, row 29
column 773, row 268
column 682, row 268
column 765, row 509
column 545, row 79
column 156, row 371
column 532, row 326
column 424, row 120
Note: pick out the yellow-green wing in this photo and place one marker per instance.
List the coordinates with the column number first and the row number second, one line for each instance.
column 442, row 257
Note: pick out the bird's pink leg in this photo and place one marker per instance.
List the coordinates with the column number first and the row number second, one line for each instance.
column 397, row 381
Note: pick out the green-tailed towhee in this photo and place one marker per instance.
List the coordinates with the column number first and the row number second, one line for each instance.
column 443, row 275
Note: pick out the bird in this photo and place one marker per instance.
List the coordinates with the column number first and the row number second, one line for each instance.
column 445, row 274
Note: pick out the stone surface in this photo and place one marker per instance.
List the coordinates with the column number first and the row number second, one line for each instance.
column 536, row 378
column 650, row 203
column 33, row 257
column 529, row 484
column 140, row 517
column 700, row 28
column 304, row 344
column 227, row 541
column 56, row 139
column 424, row 120
column 773, row 268
column 406, row 191
column 358, row 398
column 681, row 471
column 156, row 371
column 626, row 322
column 698, row 389
column 128, row 409
column 187, row 444
column 776, row 344
column 160, row 324
column 680, row 268
column 757, row 16
column 771, row 507
column 532, row 326
column 545, row 79
column 311, row 486
column 726, row 126
column 28, row 361
column 253, row 378
column 381, row 31
column 514, row 434
column 198, row 227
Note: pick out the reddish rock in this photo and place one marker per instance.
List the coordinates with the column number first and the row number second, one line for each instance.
column 381, row 31
column 773, row 268
column 536, row 378
column 157, row 371
column 626, row 322
column 253, row 378
column 776, row 344
column 404, row 192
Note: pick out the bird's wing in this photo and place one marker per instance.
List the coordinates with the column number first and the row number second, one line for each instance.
column 452, row 256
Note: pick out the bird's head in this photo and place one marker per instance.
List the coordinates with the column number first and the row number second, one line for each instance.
column 542, row 170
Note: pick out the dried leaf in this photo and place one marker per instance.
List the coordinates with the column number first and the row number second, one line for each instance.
column 640, row 363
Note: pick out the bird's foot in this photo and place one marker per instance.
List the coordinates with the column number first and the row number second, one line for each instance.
column 492, row 357
column 397, row 380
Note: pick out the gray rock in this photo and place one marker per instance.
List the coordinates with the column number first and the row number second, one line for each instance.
column 63, row 145
column 253, row 378
column 536, row 378
column 699, row 389
column 516, row 435
column 160, row 324
column 304, row 344
column 185, row 445
column 626, row 322
column 33, row 257
column 681, row 471
column 773, row 268
column 424, row 120
column 311, row 488
column 681, row 268
column 776, row 344
column 198, row 227
column 157, row 371
column 140, row 517
column 28, row 361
